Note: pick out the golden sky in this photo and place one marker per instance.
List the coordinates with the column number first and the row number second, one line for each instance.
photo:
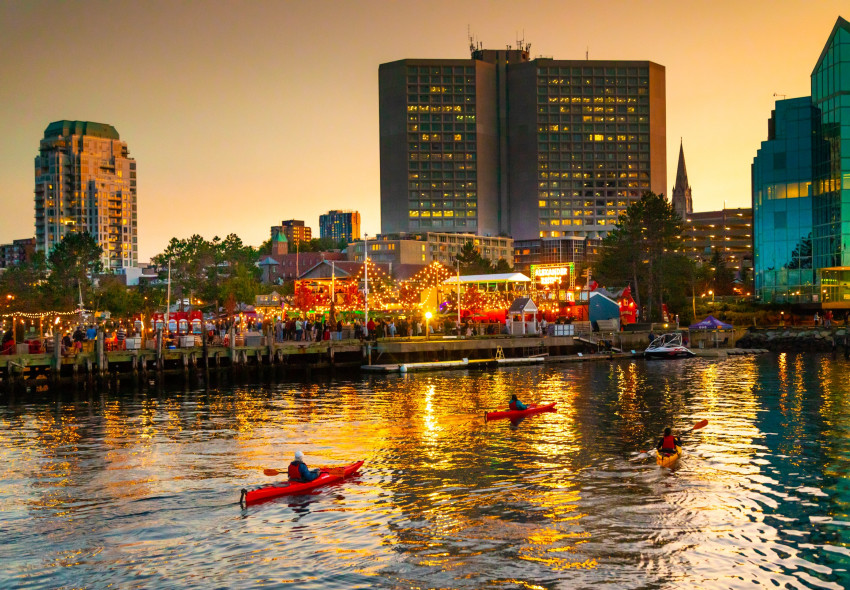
column 241, row 114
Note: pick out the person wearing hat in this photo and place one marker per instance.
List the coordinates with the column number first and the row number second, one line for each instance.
column 298, row 471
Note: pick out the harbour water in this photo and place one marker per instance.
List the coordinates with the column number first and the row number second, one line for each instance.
column 139, row 488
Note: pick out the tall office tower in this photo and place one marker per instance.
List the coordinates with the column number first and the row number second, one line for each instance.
column 503, row 144
column 682, row 202
column 340, row 225
column 85, row 181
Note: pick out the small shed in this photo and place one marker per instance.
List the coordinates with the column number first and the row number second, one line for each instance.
column 522, row 317
column 603, row 309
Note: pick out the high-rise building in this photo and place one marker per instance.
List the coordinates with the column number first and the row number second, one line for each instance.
column 85, row 181
column 501, row 144
column 782, row 205
column 682, row 202
column 728, row 232
column 17, row 252
column 294, row 230
column 340, row 225
column 801, row 187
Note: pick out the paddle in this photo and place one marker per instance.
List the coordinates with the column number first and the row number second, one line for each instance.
column 336, row 471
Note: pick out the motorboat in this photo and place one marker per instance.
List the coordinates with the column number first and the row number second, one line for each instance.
column 668, row 346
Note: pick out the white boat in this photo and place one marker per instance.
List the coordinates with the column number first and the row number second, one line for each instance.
column 668, row 346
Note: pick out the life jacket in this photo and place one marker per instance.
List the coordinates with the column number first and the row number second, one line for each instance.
column 512, row 405
column 293, row 471
column 669, row 443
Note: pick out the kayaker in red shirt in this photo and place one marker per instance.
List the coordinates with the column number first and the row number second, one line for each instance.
column 298, row 471
column 668, row 442
column 516, row 404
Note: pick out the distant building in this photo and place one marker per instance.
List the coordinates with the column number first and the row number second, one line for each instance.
column 340, row 225
column 502, row 144
column 287, row 267
column 295, row 231
column 85, row 181
column 682, row 201
column 17, row 252
column 554, row 251
column 728, row 232
column 424, row 248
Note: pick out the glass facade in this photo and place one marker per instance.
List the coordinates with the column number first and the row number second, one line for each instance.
column 831, row 194
column 801, row 189
column 593, row 146
column 441, row 136
column 782, row 206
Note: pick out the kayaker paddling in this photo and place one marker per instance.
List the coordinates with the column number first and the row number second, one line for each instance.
column 298, row 470
column 667, row 444
column 516, row 404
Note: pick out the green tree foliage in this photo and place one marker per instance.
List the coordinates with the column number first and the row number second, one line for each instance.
column 471, row 261
column 211, row 270
column 72, row 264
column 502, row 266
column 722, row 277
column 22, row 285
column 318, row 245
column 639, row 251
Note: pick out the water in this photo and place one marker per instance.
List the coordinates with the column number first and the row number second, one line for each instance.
column 140, row 489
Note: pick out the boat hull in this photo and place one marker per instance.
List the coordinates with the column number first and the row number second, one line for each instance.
column 328, row 476
column 671, row 353
column 665, row 460
column 515, row 414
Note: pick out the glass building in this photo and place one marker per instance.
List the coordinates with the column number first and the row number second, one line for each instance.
column 340, row 225
column 801, row 189
column 782, row 205
column 501, row 144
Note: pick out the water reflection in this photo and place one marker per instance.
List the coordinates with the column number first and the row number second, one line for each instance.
column 118, row 489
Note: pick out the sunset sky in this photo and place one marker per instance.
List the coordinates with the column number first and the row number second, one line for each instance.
column 242, row 114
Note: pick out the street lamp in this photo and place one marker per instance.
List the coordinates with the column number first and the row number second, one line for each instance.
column 712, row 295
column 427, row 320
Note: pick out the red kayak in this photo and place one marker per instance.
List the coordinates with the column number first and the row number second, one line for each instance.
column 290, row 488
column 514, row 414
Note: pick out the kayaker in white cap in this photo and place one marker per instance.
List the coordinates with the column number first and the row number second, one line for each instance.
column 298, row 471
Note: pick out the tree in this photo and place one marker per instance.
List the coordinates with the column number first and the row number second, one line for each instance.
column 471, row 261
column 23, row 284
column 635, row 251
column 73, row 263
column 722, row 276
column 502, row 266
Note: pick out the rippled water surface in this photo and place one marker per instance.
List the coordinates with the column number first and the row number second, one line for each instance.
column 139, row 489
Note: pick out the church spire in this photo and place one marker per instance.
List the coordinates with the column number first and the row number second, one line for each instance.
column 682, row 202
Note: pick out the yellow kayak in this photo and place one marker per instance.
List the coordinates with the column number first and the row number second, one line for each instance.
column 667, row 459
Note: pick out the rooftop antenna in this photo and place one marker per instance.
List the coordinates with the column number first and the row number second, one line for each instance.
column 471, row 41
column 777, row 94
column 587, row 53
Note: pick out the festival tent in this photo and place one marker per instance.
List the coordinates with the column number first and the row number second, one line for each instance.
column 710, row 323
